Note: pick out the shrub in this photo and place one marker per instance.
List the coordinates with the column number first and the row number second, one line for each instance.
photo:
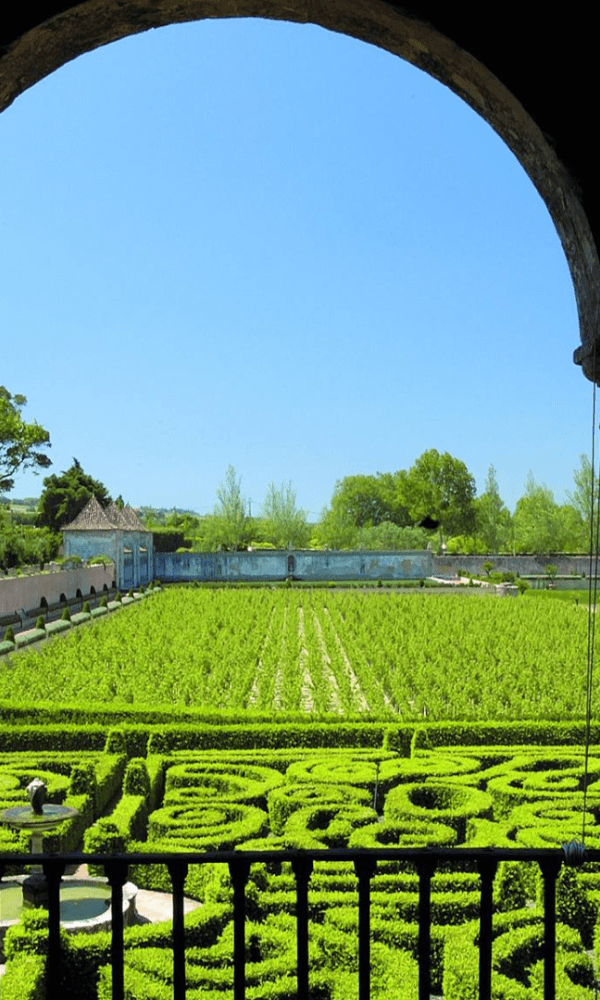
column 59, row 626
column 9, row 635
column 136, row 780
column 510, row 892
column 83, row 780
column 573, row 907
column 66, row 615
column 39, row 622
column 25, row 978
column 86, row 608
column 27, row 638
column 103, row 601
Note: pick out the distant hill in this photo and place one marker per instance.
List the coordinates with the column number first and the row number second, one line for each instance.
column 30, row 503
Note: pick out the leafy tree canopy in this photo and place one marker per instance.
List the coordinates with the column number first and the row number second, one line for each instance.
column 20, row 442
column 65, row 495
column 284, row 523
column 335, row 530
column 584, row 502
column 537, row 520
column 492, row 516
column 366, row 501
column 389, row 537
column 440, row 486
column 229, row 527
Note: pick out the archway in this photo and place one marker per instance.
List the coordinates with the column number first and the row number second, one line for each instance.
column 439, row 41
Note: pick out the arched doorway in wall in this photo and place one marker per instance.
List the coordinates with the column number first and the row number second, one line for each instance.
column 478, row 385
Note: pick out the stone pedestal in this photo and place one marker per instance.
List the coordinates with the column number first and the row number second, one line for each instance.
column 35, row 891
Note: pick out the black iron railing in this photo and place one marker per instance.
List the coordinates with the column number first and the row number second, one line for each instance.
column 365, row 862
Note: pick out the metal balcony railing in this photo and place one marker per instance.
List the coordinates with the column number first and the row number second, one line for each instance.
column 425, row 861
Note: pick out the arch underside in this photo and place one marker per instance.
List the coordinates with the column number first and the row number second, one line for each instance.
column 520, row 73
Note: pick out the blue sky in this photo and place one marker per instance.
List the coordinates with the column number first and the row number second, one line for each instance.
column 262, row 244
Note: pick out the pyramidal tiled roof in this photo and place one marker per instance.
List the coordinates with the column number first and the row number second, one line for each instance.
column 114, row 514
column 94, row 518
column 91, row 518
column 134, row 522
column 125, row 518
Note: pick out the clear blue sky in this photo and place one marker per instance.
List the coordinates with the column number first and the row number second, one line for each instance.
column 263, row 244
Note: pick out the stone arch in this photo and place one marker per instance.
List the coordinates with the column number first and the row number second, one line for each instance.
column 454, row 46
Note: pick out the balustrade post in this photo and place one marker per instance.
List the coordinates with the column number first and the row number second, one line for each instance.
column 487, row 872
column 116, row 872
column 550, row 868
column 239, row 871
column 425, row 868
column 53, row 872
column 302, row 868
column 178, row 873
column 365, row 869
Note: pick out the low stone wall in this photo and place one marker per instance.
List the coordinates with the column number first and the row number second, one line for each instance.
column 524, row 565
column 20, row 592
column 304, row 565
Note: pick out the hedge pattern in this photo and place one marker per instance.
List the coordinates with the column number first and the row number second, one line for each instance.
column 305, row 797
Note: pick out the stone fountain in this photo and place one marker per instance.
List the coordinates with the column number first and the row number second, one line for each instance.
column 85, row 902
column 39, row 818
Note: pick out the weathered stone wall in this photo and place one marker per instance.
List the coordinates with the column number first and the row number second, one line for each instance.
column 26, row 592
column 170, row 566
column 524, row 565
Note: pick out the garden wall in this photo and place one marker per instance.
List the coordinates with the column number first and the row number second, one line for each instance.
column 27, row 591
column 231, row 566
column 524, row 565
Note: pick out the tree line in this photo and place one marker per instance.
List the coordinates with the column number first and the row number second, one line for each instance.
column 434, row 502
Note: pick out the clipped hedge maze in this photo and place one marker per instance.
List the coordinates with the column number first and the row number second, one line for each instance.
column 307, row 797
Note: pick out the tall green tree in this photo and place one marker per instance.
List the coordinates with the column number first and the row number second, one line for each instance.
column 492, row 516
column 441, row 487
column 21, row 443
column 391, row 537
column 284, row 523
column 364, row 500
column 335, row 530
column 230, row 526
column 585, row 500
column 537, row 520
column 64, row 496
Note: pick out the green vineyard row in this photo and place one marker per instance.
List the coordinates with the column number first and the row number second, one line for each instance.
column 413, row 657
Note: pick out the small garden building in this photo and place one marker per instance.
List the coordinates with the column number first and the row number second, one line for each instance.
column 116, row 533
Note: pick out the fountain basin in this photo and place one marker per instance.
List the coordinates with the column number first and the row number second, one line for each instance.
column 84, row 904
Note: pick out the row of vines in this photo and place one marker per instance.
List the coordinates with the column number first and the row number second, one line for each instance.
column 415, row 656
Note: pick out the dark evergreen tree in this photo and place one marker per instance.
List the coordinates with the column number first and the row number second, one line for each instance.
column 65, row 495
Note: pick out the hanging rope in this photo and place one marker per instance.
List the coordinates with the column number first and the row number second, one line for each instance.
column 592, row 595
